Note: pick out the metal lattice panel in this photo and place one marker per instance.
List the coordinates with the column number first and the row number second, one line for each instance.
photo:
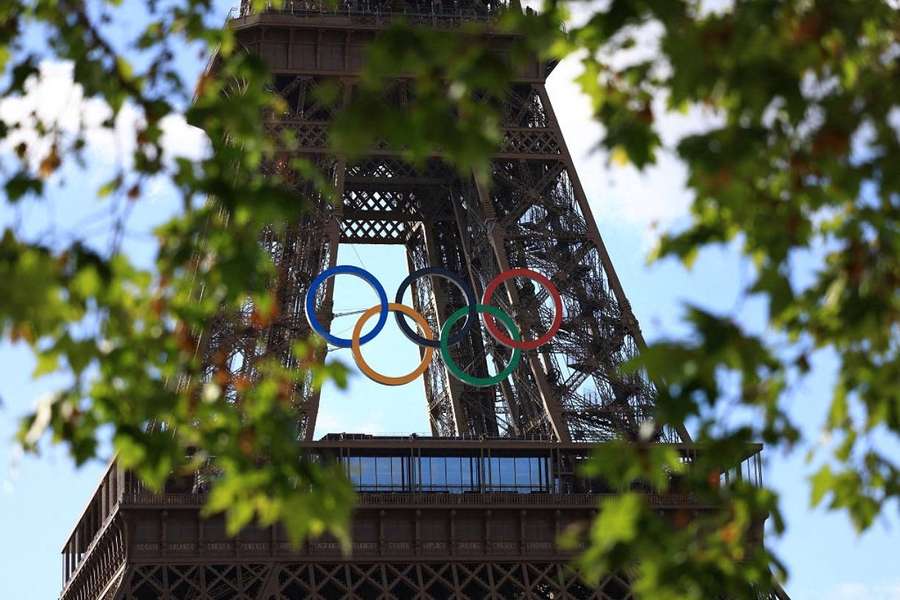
column 533, row 213
column 234, row 344
column 364, row 580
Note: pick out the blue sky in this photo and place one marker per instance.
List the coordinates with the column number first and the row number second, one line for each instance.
column 41, row 498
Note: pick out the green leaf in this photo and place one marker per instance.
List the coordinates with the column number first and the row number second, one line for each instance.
column 822, row 483
column 21, row 184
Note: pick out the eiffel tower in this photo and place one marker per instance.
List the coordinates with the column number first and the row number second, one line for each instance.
column 474, row 511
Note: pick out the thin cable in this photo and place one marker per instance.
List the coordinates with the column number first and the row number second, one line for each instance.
column 361, row 261
column 348, row 313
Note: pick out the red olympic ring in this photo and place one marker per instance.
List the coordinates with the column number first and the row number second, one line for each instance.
column 498, row 333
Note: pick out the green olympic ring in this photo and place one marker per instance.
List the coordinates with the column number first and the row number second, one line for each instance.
column 456, row 370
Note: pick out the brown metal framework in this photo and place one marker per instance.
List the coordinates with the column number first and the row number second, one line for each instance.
column 413, row 539
column 134, row 544
column 533, row 214
column 372, row 580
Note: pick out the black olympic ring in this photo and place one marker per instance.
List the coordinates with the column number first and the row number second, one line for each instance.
column 464, row 287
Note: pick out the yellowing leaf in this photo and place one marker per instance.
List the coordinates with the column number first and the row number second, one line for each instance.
column 619, row 156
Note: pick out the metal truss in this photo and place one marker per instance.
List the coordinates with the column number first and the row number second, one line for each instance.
column 350, row 580
column 533, row 213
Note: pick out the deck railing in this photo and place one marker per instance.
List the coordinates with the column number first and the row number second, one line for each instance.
column 94, row 531
column 413, row 9
column 98, row 544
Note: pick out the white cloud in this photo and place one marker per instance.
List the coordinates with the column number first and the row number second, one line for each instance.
column 53, row 98
column 650, row 201
column 710, row 7
column 893, row 118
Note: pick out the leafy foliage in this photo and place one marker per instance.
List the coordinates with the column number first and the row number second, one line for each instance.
column 127, row 337
column 679, row 555
column 801, row 163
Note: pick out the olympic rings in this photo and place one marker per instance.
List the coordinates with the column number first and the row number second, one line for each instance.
column 457, row 371
column 371, row 373
column 311, row 304
column 512, row 339
column 459, row 282
column 501, row 337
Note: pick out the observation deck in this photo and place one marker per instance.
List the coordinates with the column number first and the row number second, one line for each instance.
column 427, row 11
column 422, row 500
column 320, row 38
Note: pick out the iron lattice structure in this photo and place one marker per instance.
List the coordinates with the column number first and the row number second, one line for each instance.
column 370, row 580
column 414, row 537
column 534, row 214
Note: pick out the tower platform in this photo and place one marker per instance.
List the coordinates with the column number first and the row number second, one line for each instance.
column 436, row 518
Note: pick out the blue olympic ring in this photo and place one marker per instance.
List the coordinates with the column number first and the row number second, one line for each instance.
column 346, row 270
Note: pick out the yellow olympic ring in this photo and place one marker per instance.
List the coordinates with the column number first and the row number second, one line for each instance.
column 385, row 379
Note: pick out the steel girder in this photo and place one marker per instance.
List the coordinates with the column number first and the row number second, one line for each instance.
column 532, row 213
